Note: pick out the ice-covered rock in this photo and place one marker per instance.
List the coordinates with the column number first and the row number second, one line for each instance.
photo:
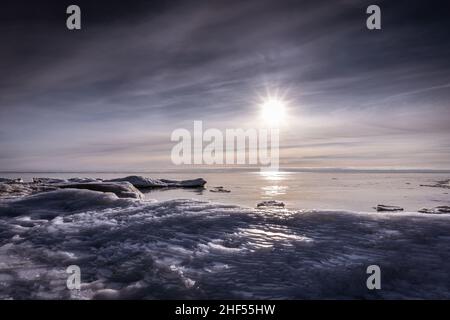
column 143, row 182
column 120, row 189
column 270, row 204
column 436, row 210
column 383, row 208
column 219, row 189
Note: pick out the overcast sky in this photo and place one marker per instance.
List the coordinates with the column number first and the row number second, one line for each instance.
column 107, row 97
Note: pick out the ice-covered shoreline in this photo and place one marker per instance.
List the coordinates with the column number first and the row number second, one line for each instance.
column 134, row 186
column 131, row 248
column 127, row 187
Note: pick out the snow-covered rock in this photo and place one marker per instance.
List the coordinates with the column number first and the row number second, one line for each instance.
column 120, row 189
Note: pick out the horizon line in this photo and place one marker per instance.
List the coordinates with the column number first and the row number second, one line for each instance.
column 283, row 169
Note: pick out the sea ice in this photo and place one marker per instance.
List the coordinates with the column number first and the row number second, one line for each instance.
column 129, row 248
column 132, row 249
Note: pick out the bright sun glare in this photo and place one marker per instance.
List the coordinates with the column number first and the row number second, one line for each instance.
column 273, row 112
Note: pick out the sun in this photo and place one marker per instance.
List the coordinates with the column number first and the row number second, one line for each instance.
column 273, row 112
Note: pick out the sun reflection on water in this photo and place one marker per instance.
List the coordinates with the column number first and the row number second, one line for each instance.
column 274, row 175
column 272, row 191
column 276, row 187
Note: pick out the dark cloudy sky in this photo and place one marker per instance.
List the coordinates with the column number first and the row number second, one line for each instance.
column 107, row 97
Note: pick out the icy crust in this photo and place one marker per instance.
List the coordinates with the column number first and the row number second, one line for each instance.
column 185, row 249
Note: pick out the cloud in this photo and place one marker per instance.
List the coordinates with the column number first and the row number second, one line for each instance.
column 133, row 76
